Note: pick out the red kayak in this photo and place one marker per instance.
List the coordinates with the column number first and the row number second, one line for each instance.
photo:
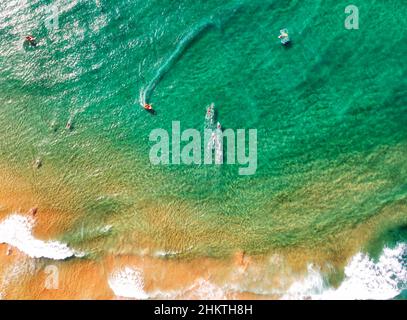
column 149, row 108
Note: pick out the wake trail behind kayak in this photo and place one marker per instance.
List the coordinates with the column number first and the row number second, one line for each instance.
column 166, row 66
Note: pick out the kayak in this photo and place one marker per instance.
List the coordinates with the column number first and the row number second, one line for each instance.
column 149, row 108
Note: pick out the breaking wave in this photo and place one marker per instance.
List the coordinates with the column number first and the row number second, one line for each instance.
column 16, row 231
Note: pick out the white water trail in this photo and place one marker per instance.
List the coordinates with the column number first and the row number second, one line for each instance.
column 179, row 50
column 186, row 41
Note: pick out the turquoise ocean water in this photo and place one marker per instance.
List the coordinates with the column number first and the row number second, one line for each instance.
column 330, row 110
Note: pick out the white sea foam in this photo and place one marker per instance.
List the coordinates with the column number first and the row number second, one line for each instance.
column 364, row 279
column 16, row 230
column 164, row 254
column 128, row 283
column 205, row 290
column 15, row 272
column 200, row 289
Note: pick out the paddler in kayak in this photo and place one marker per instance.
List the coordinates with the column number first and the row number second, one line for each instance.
column 149, row 108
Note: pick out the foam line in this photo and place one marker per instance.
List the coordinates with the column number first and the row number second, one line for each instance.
column 16, row 230
column 365, row 279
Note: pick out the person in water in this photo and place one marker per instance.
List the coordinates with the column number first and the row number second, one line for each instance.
column 149, row 108
column 38, row 163
column 69, row 125
column 33, row 211
column 283, row 35
column 31, row 40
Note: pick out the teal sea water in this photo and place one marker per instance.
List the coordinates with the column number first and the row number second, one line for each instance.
column 330, row 110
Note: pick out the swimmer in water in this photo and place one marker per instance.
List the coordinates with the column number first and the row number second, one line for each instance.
column 283, row 35
column 38, row 163
column 33, row 211
column 31, row 40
